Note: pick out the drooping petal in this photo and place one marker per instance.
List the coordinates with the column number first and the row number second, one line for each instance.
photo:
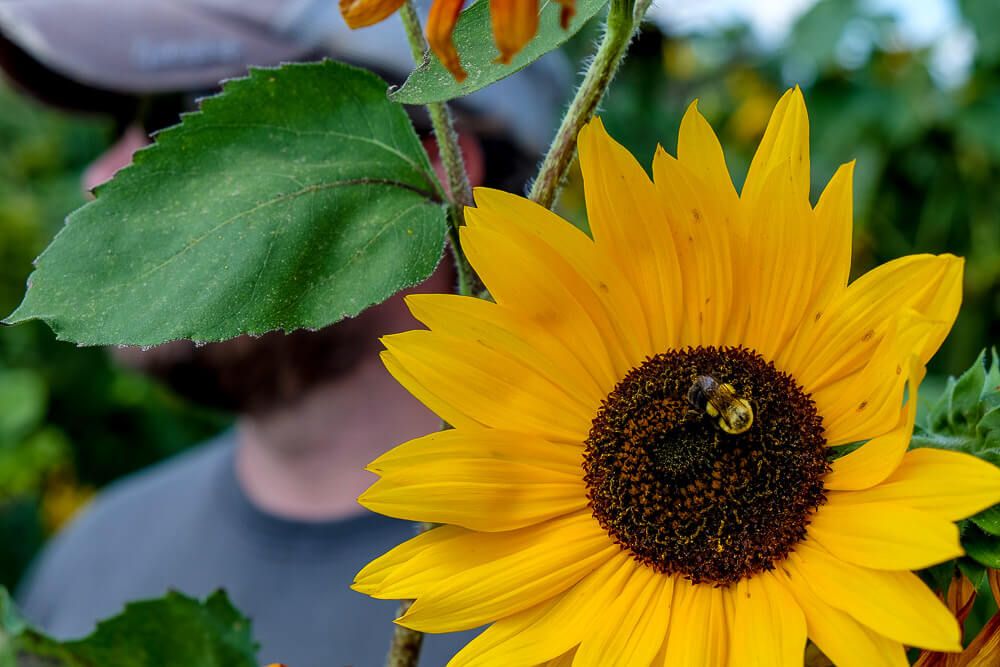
column 769, row 628
column 894, row 604
column 786, row 139
column 844, row 640
column 883, row 535
column 487, row 387
column 950, row 485
column 440, row 25
column 567, row 12
column 633, row 627
column 515, row 22
column 629, row 225
column 560, row 554
column 699, row 629
column 553, row 627
column 848, row 332
column 871, row 463
column 361, row 13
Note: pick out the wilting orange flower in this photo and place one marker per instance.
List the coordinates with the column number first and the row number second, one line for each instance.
column 515, row 22
column 984, row 650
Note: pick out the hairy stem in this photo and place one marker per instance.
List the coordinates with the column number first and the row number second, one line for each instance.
column 441, row 120
column 623, row 19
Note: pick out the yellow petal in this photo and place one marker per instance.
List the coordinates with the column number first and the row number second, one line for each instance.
column 846, row 335
column 779, row 265
column 563, row 552
column 833, row 226
column 769, row 628
column 553, row 627
column 950, row 485
column 702, row 231
column 506, row 214
column 629, row 225
column 515, row 22
column 699, row 150
column 479, row 443
column 867, row 403
column 546, row 291
column 699, row 628
column 501, row 329
column 871, row 463
column 884, row 535
column 440, row 25
column 409, row 561
column 439, row 406
column 633, row 627
column 895, row 604
column 786, row 139
column 844, row 640
column 361, row 13
column 565, row 660
column 487, row 387
column 488, row 490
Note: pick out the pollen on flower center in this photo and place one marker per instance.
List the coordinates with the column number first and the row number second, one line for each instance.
column 682, row 493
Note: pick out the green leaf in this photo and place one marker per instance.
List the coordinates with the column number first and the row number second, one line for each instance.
column 989, row 520
column 967, row 391
column 174, row 630
column 473, row 36
column 298, row 196
column 981, row 547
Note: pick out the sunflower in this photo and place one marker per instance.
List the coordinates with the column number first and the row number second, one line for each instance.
column 515, row 22
column 640, row 470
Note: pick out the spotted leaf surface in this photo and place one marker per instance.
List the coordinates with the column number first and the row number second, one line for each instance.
column 298, row 196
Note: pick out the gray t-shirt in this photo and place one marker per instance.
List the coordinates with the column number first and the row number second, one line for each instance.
column 187, row 525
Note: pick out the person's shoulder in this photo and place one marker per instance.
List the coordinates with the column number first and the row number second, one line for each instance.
column 109, row 524
column 184, row 473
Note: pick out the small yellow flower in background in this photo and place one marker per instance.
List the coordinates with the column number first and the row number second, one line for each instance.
column 638, row 472
column 515, row 22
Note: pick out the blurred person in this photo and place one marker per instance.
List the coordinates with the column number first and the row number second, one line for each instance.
column 267, row 510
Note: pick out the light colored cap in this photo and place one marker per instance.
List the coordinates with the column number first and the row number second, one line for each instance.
column 152, row 46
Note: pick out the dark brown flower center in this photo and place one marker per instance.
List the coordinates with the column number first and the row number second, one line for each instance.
column 670, row 481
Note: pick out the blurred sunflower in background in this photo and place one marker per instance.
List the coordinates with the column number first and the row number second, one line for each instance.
column 643, row 468
column 515, row 22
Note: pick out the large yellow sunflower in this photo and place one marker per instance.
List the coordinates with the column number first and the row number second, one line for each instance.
column 604, row 503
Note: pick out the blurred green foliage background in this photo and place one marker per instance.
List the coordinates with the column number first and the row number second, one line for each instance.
column 926, row 181
column 70, row 421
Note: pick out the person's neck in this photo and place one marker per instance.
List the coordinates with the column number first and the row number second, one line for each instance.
column 307, row 461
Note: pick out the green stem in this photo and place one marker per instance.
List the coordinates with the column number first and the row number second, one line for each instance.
column 441, row 120
column 624, row 17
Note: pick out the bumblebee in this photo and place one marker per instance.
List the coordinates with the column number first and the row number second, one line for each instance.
column 708, row 395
